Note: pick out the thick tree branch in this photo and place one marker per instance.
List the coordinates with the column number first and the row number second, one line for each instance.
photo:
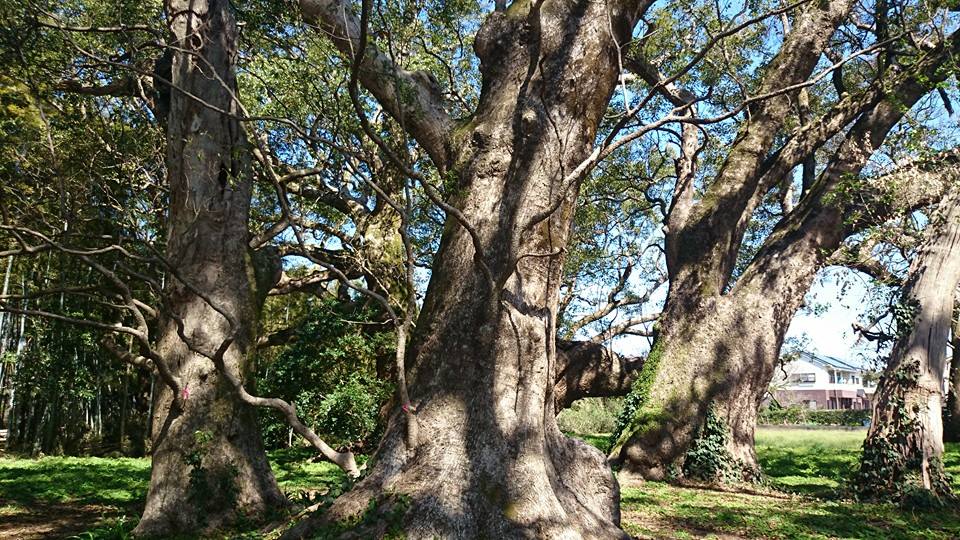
column 413, row 98
column 860, row 257
column 586, row 369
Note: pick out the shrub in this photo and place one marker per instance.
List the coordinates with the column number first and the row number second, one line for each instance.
column 800, row 415
column 349, row 413
column 591, row 415
column 329, row 374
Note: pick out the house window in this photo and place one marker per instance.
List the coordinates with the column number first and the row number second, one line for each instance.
column 802, row 378
column 833, row 377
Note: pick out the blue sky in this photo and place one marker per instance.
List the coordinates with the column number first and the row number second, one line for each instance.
column 844, row 298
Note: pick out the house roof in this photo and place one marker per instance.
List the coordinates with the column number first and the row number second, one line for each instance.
column 828, row 362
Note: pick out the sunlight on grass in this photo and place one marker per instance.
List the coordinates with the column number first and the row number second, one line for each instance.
column 115, row 488
column 11, row 509
column 295, row 471
column 660, row 510
column 807, row 473
column 804, row 497
column 117, row 481
column 809, row 461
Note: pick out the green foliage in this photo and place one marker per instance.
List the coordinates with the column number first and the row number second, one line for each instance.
column 329, row 374
column 800, row 415
column 119, row 528
column 591, row 415
column 639, row 392
column 68, row 393
column 708, row 457
column 349, row 412
column 904, row 313
column 892, row 462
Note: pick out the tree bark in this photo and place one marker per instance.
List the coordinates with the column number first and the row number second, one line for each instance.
column 906, row 433
column 483, row 359
column 586, row 369
column 708, row 335
column 209, row 464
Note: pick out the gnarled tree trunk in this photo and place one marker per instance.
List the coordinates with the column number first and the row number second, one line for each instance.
column 906, row 434
column 709, row 336
column 722, row 349
column 490, row 461
column 208, row 458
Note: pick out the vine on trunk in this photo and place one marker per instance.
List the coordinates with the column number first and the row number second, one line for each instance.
column 210, row 488
column 639, row 392
column 892, row 464
column 708, row 458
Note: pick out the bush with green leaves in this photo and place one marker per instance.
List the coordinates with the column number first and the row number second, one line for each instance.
column 330, row 374
column 348, row 413
column 591, row 415
column 803, row 416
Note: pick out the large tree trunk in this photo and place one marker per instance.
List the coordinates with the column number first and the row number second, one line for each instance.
column 209, row 463
column 714, row 354
column 906, row 434
column 722, row 350
column 710, row 338
column 490, row 461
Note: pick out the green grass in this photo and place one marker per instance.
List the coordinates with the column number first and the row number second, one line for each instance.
column 803, row 497
column 122, row 481
column 100, row 498
column 811, row 462
column 70, row 479
column 660, row 510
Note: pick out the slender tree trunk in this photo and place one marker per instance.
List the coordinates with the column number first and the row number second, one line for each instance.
column 951, row 427
column 483, row 359
column 208, row 458
column 124, row 397
column 906, row 434
column 4, row 318
column 21, row 343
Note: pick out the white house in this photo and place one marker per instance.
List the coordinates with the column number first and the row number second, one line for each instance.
column 821, row 382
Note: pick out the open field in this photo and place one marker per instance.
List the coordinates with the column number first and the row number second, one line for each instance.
column 804, row 496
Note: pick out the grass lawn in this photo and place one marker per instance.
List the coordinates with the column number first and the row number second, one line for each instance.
column 804, row 497
column 101, row 498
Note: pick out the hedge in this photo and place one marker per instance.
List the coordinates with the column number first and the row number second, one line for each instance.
column 800, row 415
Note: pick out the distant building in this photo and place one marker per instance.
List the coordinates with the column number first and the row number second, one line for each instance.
column 821, row 382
